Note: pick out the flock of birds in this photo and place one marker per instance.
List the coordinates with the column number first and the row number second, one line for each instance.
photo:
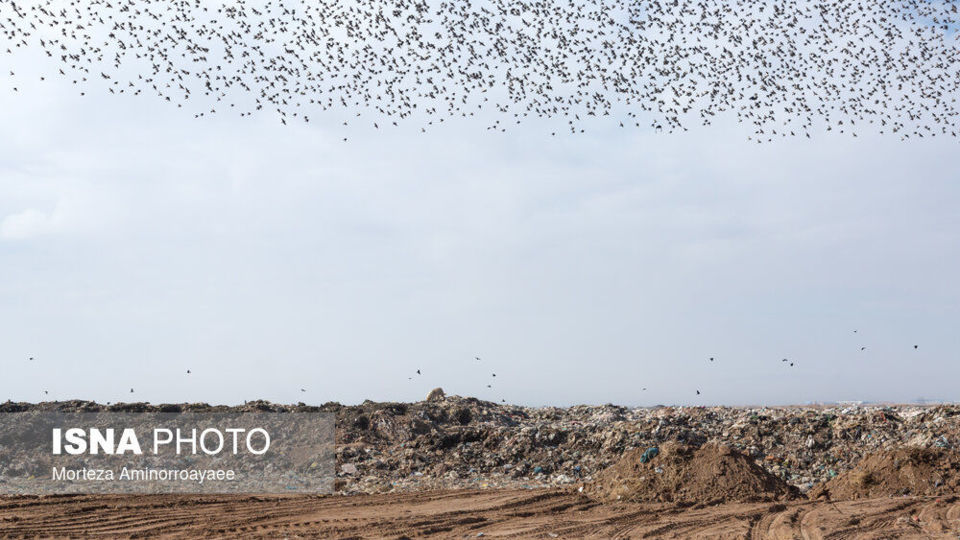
column 189, row 372
column 786, row 67
column 493, row 375
column 477, row 358
column 792, row 363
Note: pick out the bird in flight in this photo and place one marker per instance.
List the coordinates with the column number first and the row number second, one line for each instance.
column 782, row 72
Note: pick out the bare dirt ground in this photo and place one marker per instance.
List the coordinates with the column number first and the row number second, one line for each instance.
column 542, row 513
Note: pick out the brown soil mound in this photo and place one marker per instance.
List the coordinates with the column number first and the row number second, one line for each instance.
column 904, row 471
column 686, row 474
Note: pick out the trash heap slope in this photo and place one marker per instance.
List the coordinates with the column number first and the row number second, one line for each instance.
column 680, row 473
column 897, row 472
column 452, row 442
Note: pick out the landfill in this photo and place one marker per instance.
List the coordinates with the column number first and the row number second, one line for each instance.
column 461, row 442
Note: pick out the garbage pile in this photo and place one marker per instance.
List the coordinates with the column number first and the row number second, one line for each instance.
column 463, row 442
column 680, row 473
column 82, row 447
column 898, row 472
column 457, row 442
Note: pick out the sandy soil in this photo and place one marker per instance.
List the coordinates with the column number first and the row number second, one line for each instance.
column 548, row 513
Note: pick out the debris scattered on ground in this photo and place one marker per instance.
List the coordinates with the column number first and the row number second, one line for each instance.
column 902, row 471
column 680, row 473
column 456, row 442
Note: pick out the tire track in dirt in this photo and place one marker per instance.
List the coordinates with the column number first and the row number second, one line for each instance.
column 442, row 514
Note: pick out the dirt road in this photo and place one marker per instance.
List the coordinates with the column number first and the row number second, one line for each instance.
column 507, row 513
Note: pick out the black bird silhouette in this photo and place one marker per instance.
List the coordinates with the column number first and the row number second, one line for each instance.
column 786, row 71
column 698, row 392
column 418, row 372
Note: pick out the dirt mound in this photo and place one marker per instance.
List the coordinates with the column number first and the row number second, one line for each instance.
column 904, row 471
column 680, row 473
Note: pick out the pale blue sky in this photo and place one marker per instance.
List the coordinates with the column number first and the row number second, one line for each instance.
column 137, row 242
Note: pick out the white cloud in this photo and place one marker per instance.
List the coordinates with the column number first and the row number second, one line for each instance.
column 28, row 224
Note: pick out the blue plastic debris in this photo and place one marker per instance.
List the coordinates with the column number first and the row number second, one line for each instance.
column 649, row 454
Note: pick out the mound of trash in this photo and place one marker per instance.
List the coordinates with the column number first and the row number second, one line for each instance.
column 680, row 473
column 897, row 472
column 453, row 442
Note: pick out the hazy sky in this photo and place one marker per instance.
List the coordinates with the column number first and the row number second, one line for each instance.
column 137, row 242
